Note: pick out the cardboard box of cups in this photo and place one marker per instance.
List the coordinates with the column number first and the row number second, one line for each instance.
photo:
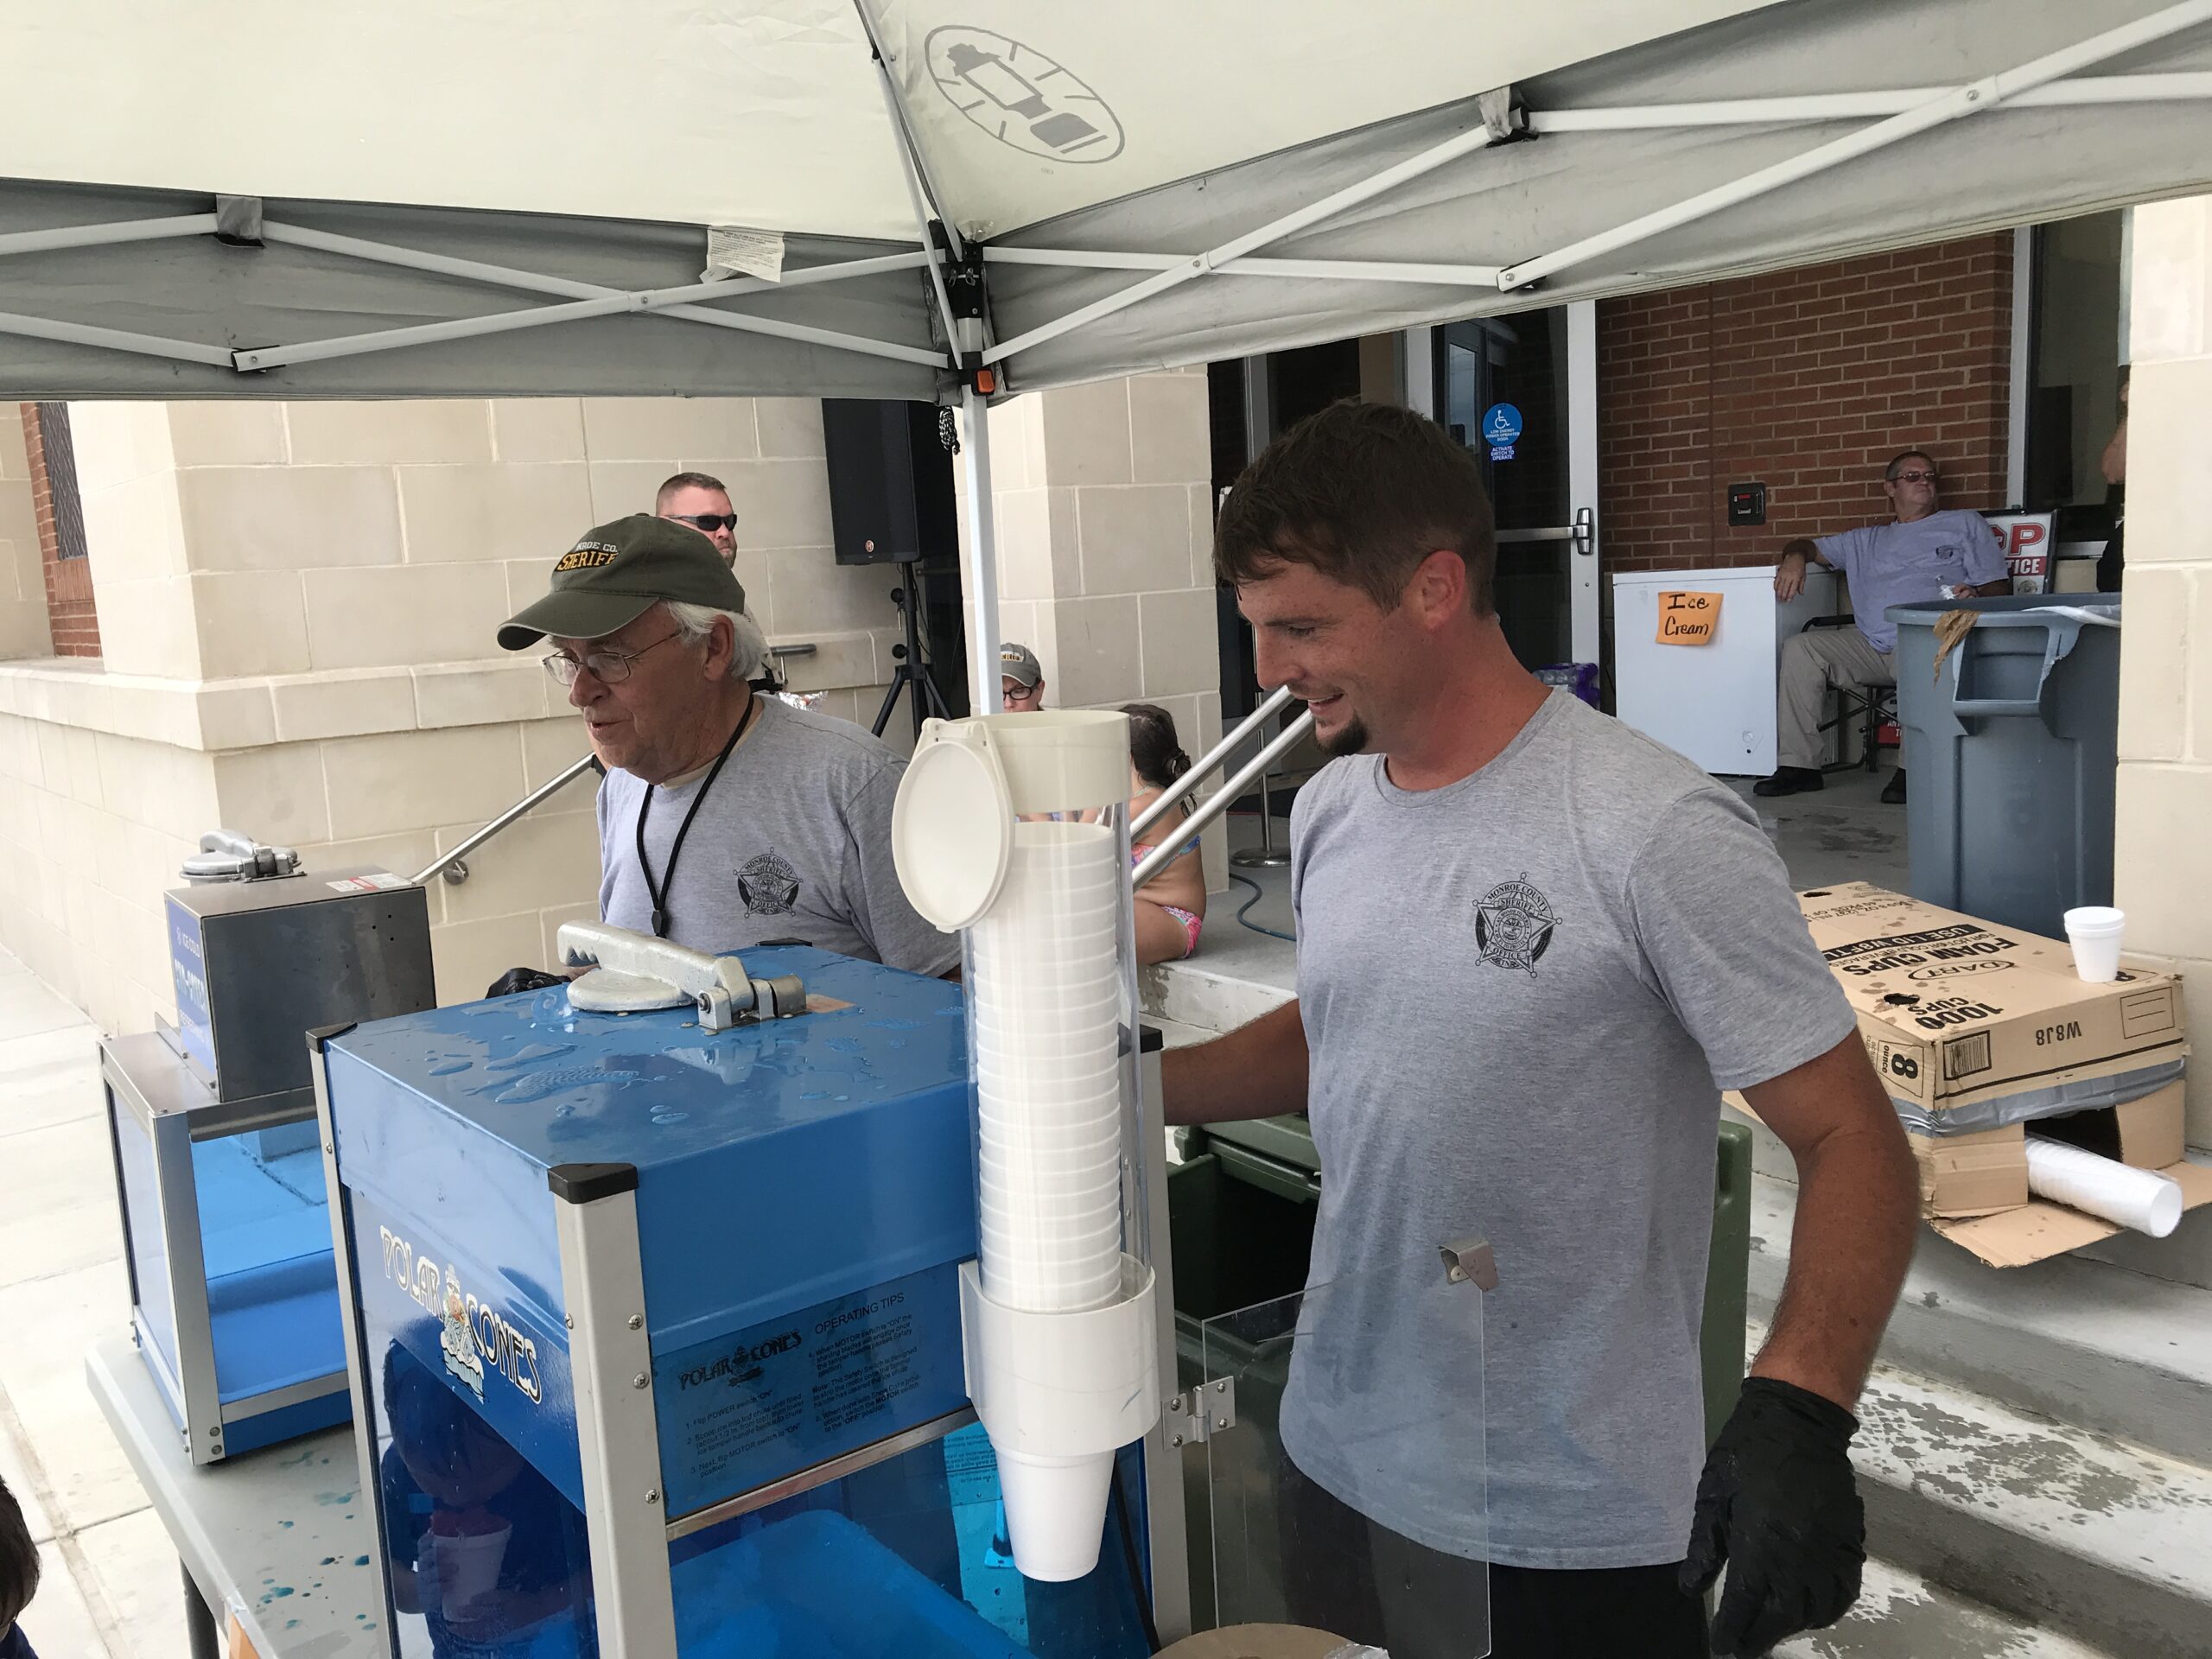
column 2044, row 1108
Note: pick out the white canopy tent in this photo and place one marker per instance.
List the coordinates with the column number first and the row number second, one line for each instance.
column 954, row 202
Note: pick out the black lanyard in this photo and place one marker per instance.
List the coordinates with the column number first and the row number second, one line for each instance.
column 660, row 895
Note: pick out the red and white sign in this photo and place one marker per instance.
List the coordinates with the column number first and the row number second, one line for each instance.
column 2027, row 547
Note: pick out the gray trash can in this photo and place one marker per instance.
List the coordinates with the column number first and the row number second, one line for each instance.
column 2011, row 747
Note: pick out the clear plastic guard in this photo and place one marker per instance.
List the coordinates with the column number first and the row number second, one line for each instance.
column 1348, row 1494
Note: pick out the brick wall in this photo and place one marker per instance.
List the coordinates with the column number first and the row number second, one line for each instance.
column 75, row 624
column 1808, row 380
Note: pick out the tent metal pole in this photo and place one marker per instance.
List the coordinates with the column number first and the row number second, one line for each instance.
column 1350, row 270
column 909, row 170
column 2181, row 87
column 1973, row 99
column 113, row 339
column 1465, row 143
column 567, row 287
column 429, row 334
column 101, row 236
column 910, row 144
column 661, row 301
column 593, row 301
column 982, row 558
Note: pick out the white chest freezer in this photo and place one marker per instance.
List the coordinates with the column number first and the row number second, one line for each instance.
column 1714, row 702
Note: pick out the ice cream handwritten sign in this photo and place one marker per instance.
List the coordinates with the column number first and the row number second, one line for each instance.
column 1687, row 619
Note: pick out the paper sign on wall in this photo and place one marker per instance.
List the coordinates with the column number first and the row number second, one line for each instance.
column 1687, row 618
column 2028, row 547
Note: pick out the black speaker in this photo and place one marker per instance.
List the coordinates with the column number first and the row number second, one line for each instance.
column 890, row 481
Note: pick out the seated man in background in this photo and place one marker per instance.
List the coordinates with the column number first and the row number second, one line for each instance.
column 1021, row 679
column 727, row 818
column 1923, row 553
column 1172, row 906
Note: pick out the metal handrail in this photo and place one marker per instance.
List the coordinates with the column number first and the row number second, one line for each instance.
column 1207, row 763
column 1219, row 802
column 449, row 860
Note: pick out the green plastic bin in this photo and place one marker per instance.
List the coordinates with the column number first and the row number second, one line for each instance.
column 1241, row 1207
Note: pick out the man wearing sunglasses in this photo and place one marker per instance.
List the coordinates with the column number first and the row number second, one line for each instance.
column 727, row 818
column 700, row 500
column 1922, row 553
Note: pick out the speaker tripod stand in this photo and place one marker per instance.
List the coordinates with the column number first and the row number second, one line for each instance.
column 912, row 674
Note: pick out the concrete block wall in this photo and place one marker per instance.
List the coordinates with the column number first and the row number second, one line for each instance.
column 297, row 604
column 2162, row 868
column 1105, row 543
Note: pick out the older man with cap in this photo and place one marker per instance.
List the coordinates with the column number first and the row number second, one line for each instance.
column 1021, row 679
column 727, row 818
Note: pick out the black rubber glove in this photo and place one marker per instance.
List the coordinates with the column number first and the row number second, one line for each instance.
column 522, row 979
column 1779, row 1505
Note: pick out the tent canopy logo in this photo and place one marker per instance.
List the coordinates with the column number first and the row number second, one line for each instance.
column 1020, row 97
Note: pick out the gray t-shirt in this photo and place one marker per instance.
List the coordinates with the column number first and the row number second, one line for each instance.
column 1523, row 993
column 792, row 842
column 1901, row 564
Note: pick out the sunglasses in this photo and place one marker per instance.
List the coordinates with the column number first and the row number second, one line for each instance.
column 708, row 522
column 1914, row 477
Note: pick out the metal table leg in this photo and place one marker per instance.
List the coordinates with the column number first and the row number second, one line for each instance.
column 202, row 1639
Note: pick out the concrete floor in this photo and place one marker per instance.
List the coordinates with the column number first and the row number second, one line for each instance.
column 111, row 1588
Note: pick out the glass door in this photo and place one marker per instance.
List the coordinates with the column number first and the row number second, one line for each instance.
column 1521, row 392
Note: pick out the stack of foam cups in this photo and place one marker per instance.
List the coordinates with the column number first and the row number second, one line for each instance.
column 1047, row 1000
column 1047, row 1004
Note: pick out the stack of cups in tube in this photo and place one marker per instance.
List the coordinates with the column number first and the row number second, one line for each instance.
column 1013, row 829
column 1047, row 1010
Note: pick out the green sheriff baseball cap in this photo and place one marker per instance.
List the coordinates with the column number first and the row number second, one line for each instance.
column 617, row 572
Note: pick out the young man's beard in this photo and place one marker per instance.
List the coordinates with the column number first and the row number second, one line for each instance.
column 1349, row 739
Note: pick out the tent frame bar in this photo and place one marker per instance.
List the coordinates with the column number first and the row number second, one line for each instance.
column 114, row 339
column 672, row 302
column 1849, row 106
column 1349, row 271
column 1976, row 98
column 108, row 235
column 1428, row 160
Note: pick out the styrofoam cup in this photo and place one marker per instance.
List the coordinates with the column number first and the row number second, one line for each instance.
column 1055, row 1512
column 1068, row 1069
column 468, row 1566
column 1088, row 1137
column 1087, row 1243
column 1049, row 1171
column 1075, row 1072
column 2095, row 931
column 1007, row 1148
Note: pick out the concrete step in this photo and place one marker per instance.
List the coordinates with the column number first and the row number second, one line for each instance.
column 2083, row 1342
column 1900, row 1615
column 2060, row 1529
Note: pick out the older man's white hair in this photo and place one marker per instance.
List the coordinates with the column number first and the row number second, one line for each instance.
column 749, row 659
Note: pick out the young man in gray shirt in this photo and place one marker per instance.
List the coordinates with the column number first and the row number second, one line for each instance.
column 727, row 818
column 1533, row 949
column 1923, row 553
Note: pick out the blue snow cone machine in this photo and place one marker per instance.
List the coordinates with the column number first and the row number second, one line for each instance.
column 656, row 1326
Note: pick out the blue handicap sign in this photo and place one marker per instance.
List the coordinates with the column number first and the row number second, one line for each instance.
column 1501, row 423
